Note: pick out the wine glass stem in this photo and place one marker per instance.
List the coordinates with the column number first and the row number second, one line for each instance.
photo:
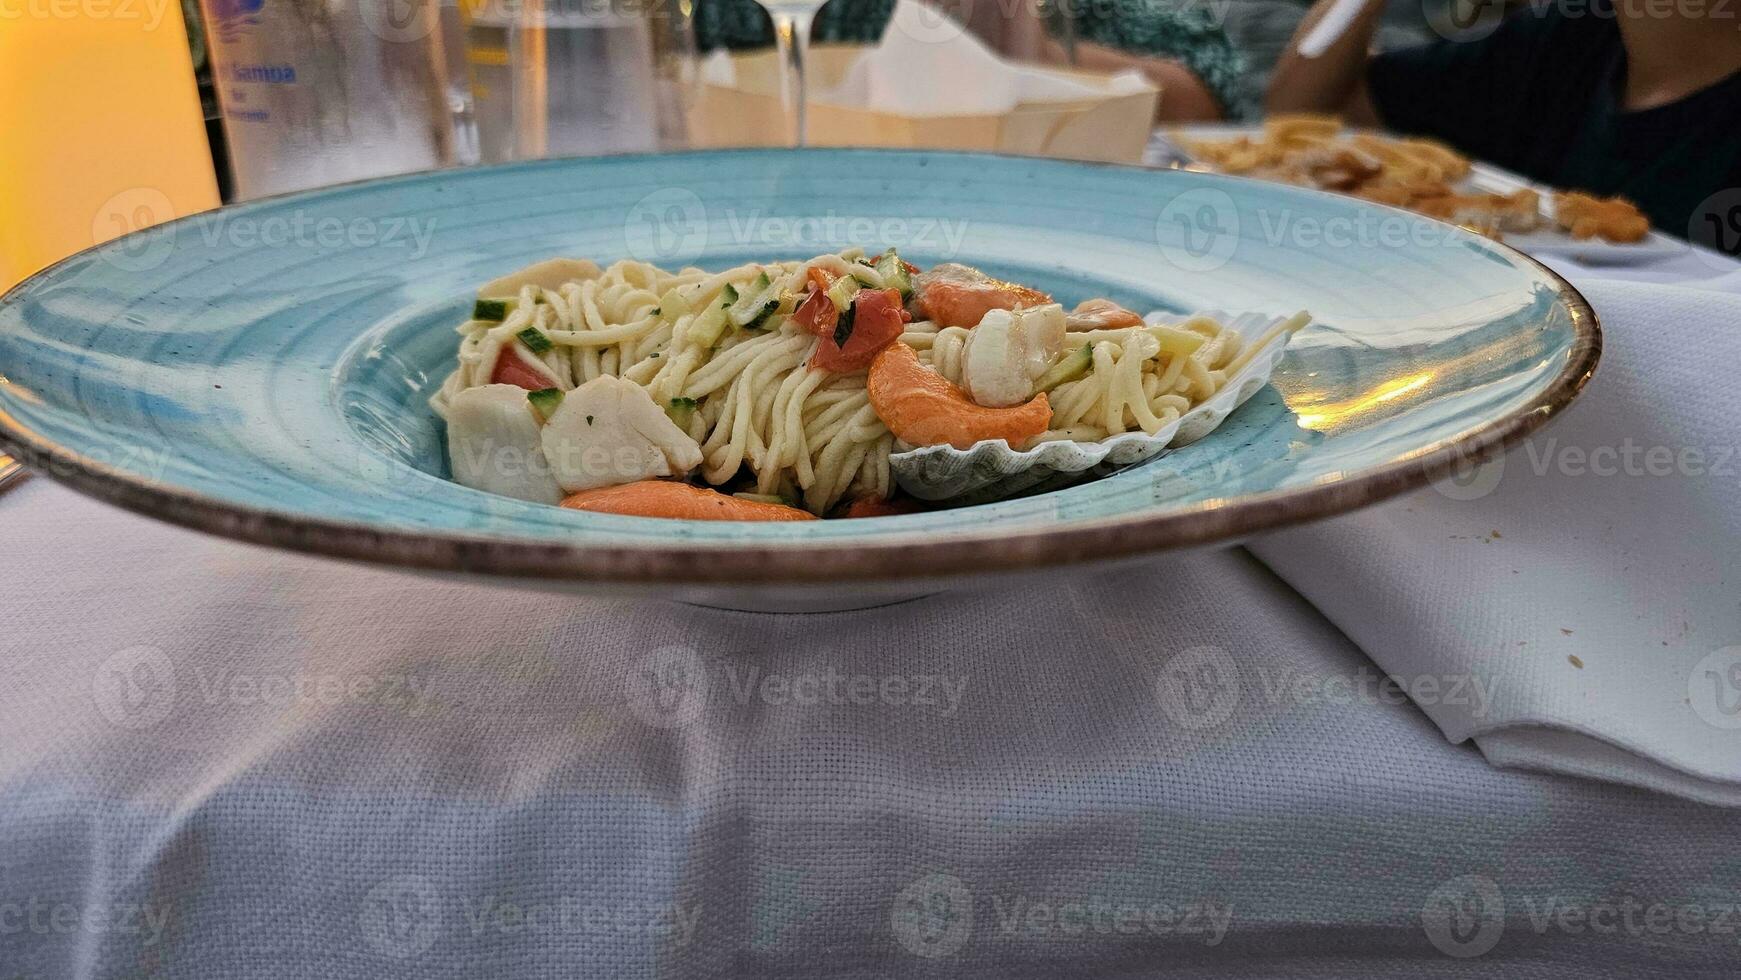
column 792, row 33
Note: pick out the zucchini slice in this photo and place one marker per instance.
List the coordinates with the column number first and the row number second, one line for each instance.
column 755, row 304
column 536, row 340
column 495, row 310
column 895, row 275
column 673, row 305
column 1069, row 366
column 842, row 292
column 546, row 401
column 1179, row 343
column 680, row 411
column 709, row 325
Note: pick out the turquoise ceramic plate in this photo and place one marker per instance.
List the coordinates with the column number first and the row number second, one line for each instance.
column 261, row 371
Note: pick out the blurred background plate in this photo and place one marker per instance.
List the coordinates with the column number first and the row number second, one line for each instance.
column 261, row 371
column 1483, row 178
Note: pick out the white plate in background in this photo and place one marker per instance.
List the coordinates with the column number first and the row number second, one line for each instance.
column 1483, row 178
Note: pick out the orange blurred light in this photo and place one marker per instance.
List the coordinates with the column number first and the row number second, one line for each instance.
column 103, row 132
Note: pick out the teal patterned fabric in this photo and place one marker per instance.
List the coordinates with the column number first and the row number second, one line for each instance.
column 1180, row 29
column 1187, row 31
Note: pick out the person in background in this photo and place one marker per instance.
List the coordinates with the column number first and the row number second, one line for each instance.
column 1262, row 29
column 1179, row 45
column 1629, row 98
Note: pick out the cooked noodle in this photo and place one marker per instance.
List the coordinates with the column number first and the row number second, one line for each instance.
column 802, row 433
column 1133, row 384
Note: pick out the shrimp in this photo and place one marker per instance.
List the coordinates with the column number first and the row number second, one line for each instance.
column 921, row 407
column 952, row 295
column 663, row 498
column 1101, row 314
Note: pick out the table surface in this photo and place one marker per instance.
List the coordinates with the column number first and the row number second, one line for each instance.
column 221, row 761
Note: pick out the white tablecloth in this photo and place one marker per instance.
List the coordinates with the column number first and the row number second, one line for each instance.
column 1575, row 599
column 218, row 761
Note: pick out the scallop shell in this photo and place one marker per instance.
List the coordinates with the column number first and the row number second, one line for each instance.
column 991, row 470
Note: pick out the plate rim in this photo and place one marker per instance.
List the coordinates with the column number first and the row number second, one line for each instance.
column 909, row 556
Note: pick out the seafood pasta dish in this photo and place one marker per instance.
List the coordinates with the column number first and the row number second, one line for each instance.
column 792, row 390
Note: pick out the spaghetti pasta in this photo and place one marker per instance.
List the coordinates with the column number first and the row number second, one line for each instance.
column 734, row 359
column 805, row 434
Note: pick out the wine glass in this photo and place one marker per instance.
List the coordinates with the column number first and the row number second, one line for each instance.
column 792, row 20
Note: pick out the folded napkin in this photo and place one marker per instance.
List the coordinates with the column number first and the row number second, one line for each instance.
column 929, row 65
column 1583, row 594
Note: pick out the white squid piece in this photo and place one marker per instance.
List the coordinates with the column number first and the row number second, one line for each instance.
column 1008, row 352
column 610, row 431
column 494, row 444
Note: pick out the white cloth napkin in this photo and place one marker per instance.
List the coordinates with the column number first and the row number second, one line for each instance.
column 235, row 762
column 929, row 65
column 1586, row 589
